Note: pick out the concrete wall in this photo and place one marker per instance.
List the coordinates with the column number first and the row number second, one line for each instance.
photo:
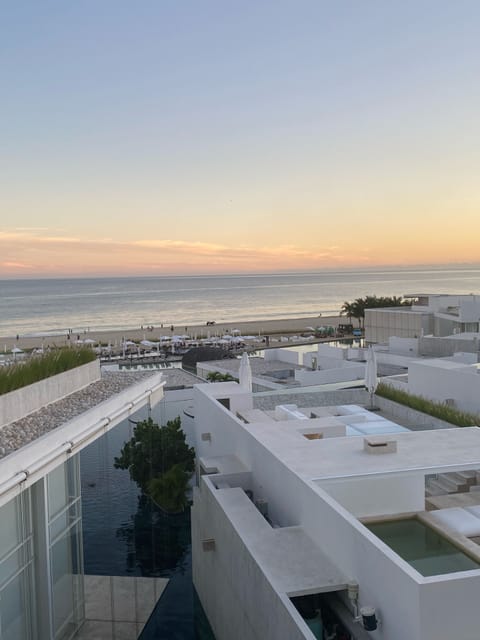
column 18, row 404
column 378, row 495
column 381, row 324
column 239, row 600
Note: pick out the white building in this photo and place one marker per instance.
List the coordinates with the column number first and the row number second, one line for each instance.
column 436, row 314
column 454, row 381
column 42, row 594
column 284, row 522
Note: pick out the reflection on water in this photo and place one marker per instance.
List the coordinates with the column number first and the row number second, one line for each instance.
column 157, row 543
column 124, row 533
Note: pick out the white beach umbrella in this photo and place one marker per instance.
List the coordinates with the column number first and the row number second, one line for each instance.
column 245, row 373
column 371, row 379
column 16, row 350
column 147, row 343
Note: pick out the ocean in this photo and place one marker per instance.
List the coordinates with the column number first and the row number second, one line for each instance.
column 52, row 306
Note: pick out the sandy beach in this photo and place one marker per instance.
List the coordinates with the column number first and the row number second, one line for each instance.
column 287, row 327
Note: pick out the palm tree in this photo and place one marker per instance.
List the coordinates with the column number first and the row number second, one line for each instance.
column 348, row 310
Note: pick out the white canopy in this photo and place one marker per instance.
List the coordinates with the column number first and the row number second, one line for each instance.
column 245, row 373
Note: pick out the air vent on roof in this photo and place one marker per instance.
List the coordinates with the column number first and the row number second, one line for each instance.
column 379, row 444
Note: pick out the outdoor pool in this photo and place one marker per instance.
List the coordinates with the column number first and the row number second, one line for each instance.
column 422, row 547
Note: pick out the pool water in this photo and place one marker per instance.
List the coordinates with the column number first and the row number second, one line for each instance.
column 422, row 547
column 125, row 534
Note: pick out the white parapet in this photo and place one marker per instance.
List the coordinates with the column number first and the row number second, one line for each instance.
column 17, row 404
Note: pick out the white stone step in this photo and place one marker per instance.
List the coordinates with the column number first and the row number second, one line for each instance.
column 437, row 488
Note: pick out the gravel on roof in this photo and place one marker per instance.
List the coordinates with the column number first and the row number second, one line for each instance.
column 17, row 434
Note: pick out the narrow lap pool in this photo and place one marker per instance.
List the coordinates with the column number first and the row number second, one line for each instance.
column 422, row 547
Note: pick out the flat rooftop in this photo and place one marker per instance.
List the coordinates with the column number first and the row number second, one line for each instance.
column 434, row 451
column 17, row 434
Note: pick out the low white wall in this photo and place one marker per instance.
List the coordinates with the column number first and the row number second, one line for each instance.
column 384, row 357
column 403, row 346
column 325, row 350
column 325, row 376
column 21, row 402
column 281, row 355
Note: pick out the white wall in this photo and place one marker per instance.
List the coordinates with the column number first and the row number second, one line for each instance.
column 378, row 495
column 403, row 346
column 325, row 350
column 237, row 596
column 449, row 608
column 282, row 355
column 325, row 376
column 18, row 404
column 381, row 324
column 439, row 384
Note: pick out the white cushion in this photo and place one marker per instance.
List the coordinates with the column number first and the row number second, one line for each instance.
column 458, row 520
column 475, row 511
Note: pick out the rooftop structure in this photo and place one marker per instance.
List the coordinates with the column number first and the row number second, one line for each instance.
column 435, row 314
column 286, row 526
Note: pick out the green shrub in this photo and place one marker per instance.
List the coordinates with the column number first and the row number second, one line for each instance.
column 436, row 409
column 160, row 461
column 43, row 366
column 216, row 376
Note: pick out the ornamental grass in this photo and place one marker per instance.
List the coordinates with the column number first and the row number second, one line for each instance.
column 38, row 367
column 438, row 410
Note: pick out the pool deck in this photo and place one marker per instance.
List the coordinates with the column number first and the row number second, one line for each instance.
column 117, row 607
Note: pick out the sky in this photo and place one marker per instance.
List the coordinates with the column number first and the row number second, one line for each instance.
column 218, row 136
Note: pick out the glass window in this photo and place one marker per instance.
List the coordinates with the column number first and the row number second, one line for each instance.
column 9, row 527
column 13, row 612
column 67, row 584
column 16, row 570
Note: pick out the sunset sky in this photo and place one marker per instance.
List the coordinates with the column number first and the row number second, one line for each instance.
column 188, row 136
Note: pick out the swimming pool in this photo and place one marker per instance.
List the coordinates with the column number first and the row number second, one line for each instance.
column 423, row 548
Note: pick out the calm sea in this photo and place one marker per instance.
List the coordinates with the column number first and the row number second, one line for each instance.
column 56, row 305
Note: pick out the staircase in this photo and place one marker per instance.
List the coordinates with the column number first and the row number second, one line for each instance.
column 452, row 482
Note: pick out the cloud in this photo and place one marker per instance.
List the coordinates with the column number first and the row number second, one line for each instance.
column 15, row 265
column 49, row 252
